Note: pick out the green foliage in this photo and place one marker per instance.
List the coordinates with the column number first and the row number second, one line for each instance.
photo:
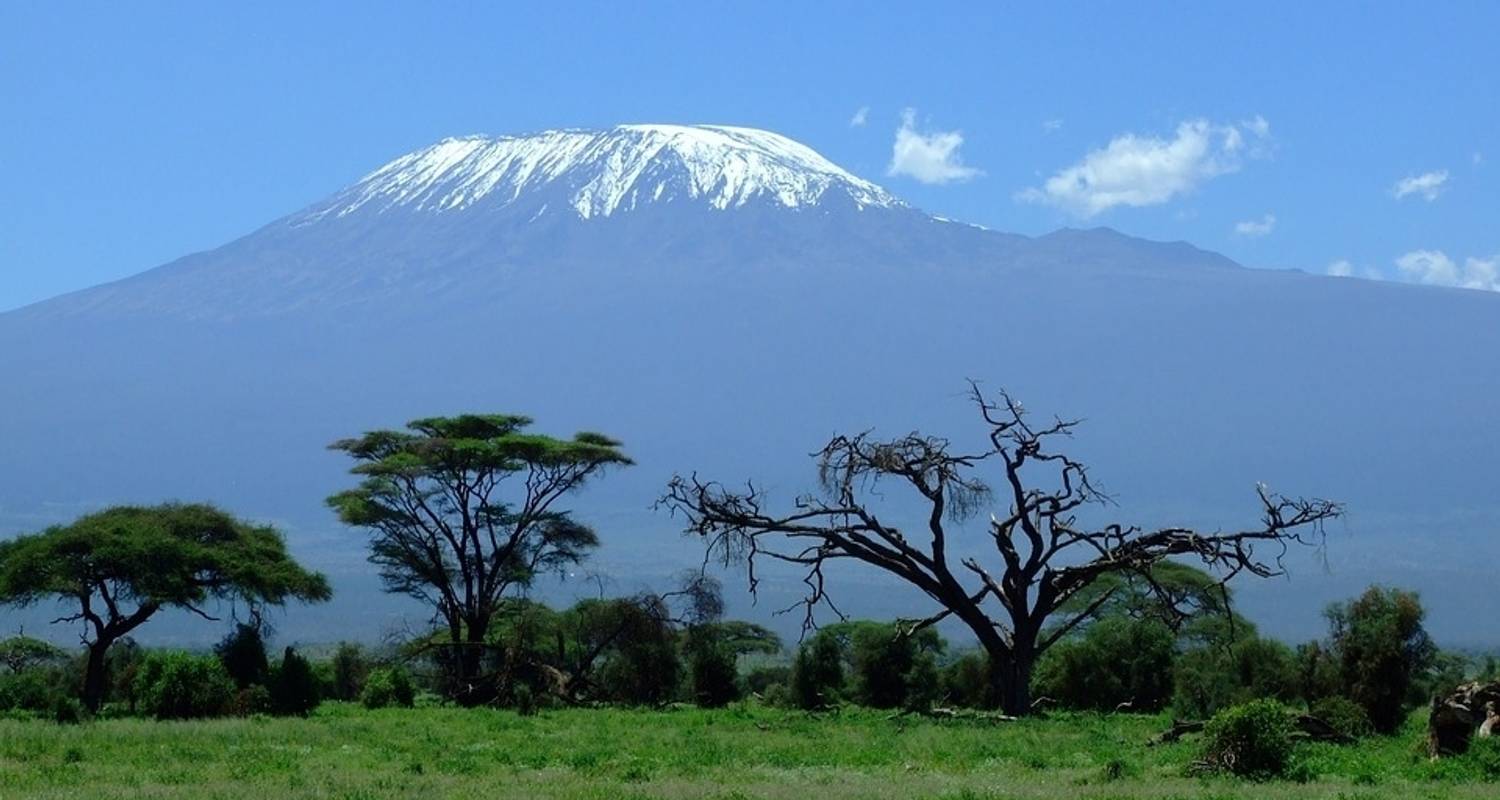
column 1382, row 649
column 388, row 687
column 1117, row 661
column 966, row 681
column 818, row 672
column 178, row 685
column 1210, row 679
column 763, row 679
column 21, row 653
column 293, row 686
column 252, row 700
column 1253, row 740
column 712, row 673
column 350, row 671
column 886, row 661
column 168, row 556
column 243, row 653
column 442, row 531
column 713, row 650
column 1345, row 715
column 1443, row 674
column 35, row 690
column 1318, row 671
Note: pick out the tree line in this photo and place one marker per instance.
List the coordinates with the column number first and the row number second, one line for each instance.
column 464, row 513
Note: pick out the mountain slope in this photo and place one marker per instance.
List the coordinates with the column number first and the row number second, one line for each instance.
column 733, row 338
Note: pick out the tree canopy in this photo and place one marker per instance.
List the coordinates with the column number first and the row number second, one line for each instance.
column 120, row 566
column 1018, row 585
column 462, row 510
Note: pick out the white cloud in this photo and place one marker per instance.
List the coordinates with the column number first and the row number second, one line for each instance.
column 860, row 117
column 1137, row 170
column 1051, row 125
column 1434, row 267
column 1256, row 227
column 1477, row 158
column 1428, row 185
column 929, row 157
column 1341, row 268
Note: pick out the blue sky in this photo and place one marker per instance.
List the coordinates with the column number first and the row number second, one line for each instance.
column 1274, row 133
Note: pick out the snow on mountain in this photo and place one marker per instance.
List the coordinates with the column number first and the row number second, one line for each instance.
column 603, row 172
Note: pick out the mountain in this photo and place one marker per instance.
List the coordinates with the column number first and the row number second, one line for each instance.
column 724, row 300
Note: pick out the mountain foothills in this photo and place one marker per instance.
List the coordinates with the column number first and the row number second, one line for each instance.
column 723, row 300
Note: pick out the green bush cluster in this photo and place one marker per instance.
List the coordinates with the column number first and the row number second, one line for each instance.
column 388, row 687
column 1253, row 740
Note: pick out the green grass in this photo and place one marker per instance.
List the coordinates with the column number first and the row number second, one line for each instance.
column 744, row 752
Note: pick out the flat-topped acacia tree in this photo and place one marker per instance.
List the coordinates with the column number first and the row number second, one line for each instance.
column 462, row 510
column 1024, row 582
column 121, row 566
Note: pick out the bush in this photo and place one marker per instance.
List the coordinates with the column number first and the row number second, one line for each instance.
column 818, row 672
column 250, row 701
column 389, row 687
column 1117, row 661
column 350, row 671
column 293, row 686
column 765, row 679
column 1253, row 740
column 243, row 653
column 966, row 681
column 1484, row 755
column 712, row 673
column 1344, row 715
column 884, row 658
column 177, row 685
column 1211, row 679
column 36, row 690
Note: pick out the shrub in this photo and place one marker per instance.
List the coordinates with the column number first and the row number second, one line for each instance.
column 250, row 701
column 884, row 656
column 243, row 653
column 712, row 673
column 1484, row 755
column 293, row 686
column 1344, row 715
column 818, row 672
column 36, row 690
column 1117, row 661
column 1210, row 679
column 350, row 671
column 177, row 685
column 1253, row 740
column 966, row 681
column 389, row 687
column 763, row 679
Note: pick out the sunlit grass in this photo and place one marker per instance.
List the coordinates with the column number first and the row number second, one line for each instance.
column 741, row 752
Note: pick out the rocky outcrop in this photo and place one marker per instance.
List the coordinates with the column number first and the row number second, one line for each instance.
column 1472, row 709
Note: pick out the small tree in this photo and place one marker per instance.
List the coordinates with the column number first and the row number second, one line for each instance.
column 1017, row 599
column 119, row 567
column 1382, row 649
column 350, row 671
column 443, row 531
column 1118, row 662
column 243, row 653
column 294, row 687
column 21, row 653
column 818, row 672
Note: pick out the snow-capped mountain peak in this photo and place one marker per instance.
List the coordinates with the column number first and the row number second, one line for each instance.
column 599, row 173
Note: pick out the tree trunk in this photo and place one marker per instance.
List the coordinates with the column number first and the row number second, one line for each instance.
column 95, row 676
column 472, row 687
column 1010, row 680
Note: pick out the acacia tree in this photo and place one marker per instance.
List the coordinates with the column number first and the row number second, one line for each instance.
column 434, row 501
column 1013, row 586
column 122, row 565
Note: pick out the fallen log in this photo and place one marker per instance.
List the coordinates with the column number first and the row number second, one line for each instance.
column 1179, row 729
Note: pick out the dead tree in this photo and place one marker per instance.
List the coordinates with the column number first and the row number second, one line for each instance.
column 1011, row 585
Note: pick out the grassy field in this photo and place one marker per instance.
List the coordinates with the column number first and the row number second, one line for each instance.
column 742, row 752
